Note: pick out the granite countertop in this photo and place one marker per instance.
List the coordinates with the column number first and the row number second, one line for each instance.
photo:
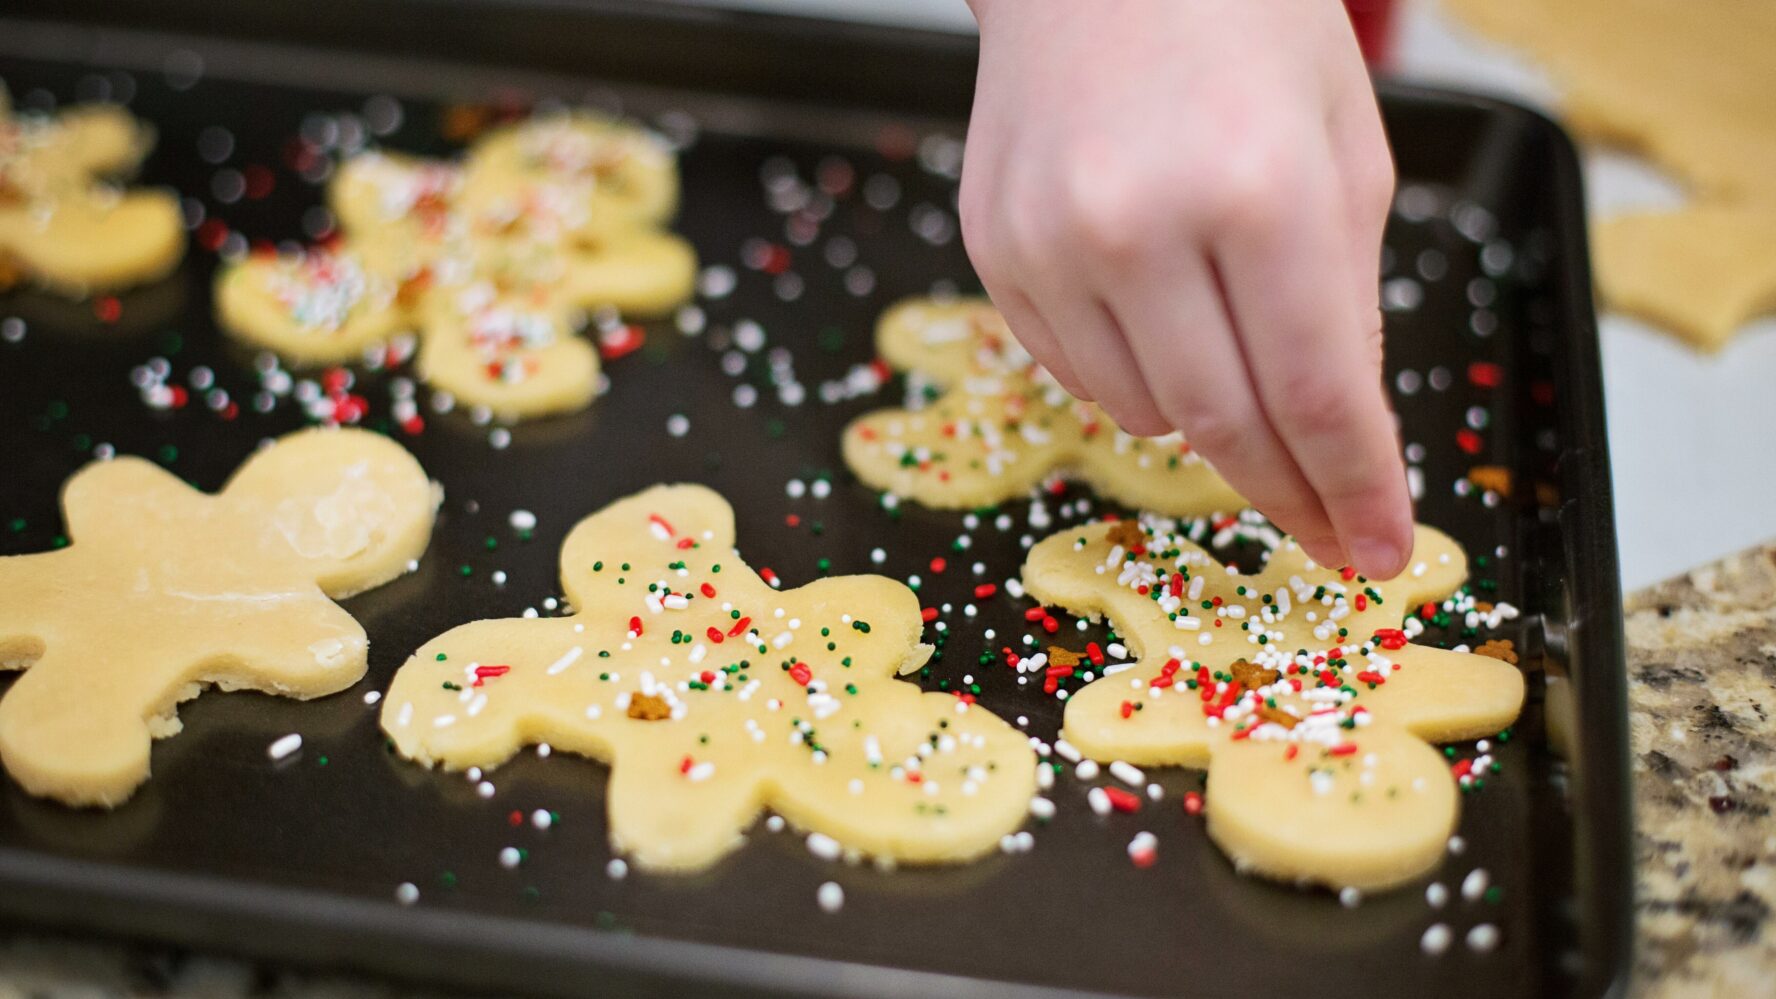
column 1702, row 694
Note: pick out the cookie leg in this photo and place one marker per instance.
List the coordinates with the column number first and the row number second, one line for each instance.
column 670, row 817
column 62, row 736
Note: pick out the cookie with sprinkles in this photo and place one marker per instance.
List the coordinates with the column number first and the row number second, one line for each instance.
column 993, row 424
column 1299, row 689
column 714, row 696
column 61, row 224
column 165, row 591
column 495, row 262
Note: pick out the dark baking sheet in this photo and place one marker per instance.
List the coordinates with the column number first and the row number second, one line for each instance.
column 300, row 861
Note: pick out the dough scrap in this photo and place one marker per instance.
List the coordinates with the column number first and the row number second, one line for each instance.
column 1300, row 798
column 495, row 261
column 61, row 224
column 713, row 696
column 1689, row 84
column 165, row 589
column 1001, row 424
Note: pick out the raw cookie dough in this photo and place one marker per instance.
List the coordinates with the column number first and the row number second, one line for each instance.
column 63, row 227
column 1001, row 424
column 495, row 262
column 1692, row 85
column 1332, row 783
column 713, row 696
column 165, row 590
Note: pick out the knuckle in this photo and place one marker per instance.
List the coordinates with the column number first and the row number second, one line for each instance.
column 1308, row 401
column 1217, row 433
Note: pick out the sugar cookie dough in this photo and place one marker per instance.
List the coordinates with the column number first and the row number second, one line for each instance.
column 495, row 262
column 1000, row 424
column 1296, row 687
column 61, row 225
column 1690, row 84
column 713, row 696
column 166, row 590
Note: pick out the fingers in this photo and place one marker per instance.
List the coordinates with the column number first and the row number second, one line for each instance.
column 1026, row 324
column 1099, row 354
column 1176, row 322
column 1310, row 344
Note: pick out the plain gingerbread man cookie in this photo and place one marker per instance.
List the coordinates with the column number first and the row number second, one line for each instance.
column 165, row 590
column 713, row 696
column 1002, row 424
column 1295, row 687
column 494, row 262
column 60, row 224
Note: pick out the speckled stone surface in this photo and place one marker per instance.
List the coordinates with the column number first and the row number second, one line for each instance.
column 1702, row 693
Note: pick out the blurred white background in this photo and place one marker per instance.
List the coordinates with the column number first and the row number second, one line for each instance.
column 1692, row 437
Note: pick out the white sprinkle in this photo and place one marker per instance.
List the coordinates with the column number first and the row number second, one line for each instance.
column 541, row 818
column 678, row 424
column 284, row 746
column 407, row 893
column 484, row 789
column 1457, row 845
column 1436, row 896
column 508, row 857
column 1128, row 773
column 1143, row 848
column 774, row 823
column 1086, row 770
column 1436, row 939
column 543, row 750
column 567, row 659
column 701, row 772
column 1099, row 801
column 522, row 520
column 617, row 869
column 1483, row 938
column 823, row 846
column 831, row 897
column 1475, row 884
column 1068, row 751
column 372, row 696
column 1042, row 808
column 1350, row 897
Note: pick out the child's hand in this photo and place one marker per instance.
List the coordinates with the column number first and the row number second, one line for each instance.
column 1178, row 206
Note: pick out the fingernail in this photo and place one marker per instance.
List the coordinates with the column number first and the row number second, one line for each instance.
column 1377, row 558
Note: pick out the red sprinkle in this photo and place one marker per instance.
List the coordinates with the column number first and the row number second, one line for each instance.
column 1193, row 802
column 939, row 565
column 801, row 674
column 739, row 627
column 1469, row 441
column 928, row 614
column 706, row 590
column 1485, row 374
column 635, row 625
column 985, row 590
column 1343, row 749
column 715, row 634
column 1094, row 653
column 1123, row 801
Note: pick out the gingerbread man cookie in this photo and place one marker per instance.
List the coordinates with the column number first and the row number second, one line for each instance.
column 713, row 696
column 61, row 225
column 1296, row 687
column 165, row 590
column 1002, row 424
column 495, row 262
